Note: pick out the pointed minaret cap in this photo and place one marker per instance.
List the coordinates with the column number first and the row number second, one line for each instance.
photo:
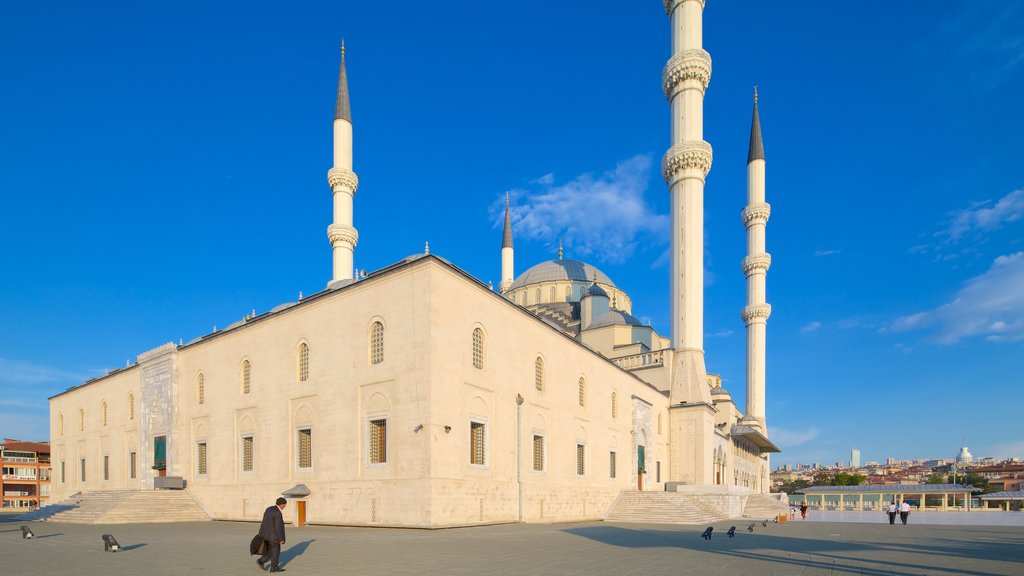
column 342, row 111
column 756, row 146
column 506, row 237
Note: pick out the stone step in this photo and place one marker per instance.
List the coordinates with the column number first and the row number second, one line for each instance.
column 662, row 508
column 123, row 506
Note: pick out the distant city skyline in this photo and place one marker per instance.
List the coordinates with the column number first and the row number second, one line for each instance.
column 897, row 261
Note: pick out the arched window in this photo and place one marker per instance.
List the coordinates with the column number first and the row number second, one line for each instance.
column 554, row 295
column 303, row 362
column 376, row 343
column 61, row 424
column 568, row 293
column 536, row 295
column 103, row 411
column 478, row 348
column 659, row 422
column 81, row 419
column 201, row 388
column 615, row 404
column 522, row 298
column 583, row 392
column 538, row 370
column 131, row 406
column 246, row 377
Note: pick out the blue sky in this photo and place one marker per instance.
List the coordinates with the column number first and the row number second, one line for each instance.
column 163, row 170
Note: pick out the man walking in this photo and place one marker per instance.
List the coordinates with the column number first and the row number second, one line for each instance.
column 272, row 530
column 904, row 512
column 892, row 512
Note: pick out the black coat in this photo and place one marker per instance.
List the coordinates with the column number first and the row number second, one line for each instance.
column 272, row 527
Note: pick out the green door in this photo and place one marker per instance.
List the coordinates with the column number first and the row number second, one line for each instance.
column 160, row 454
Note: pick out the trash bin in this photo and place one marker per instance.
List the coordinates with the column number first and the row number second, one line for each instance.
column 783, row 518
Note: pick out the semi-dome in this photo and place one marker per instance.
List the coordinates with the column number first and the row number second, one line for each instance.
column 555, row 270
column 615, row 318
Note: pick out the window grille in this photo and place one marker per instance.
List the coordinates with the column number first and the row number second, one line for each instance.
column 81, row 471
column 132, row 465
column 611, row 464
column 303, row 362
column 247, row 461
column 478, row 348
column 538, row 369
column 583, row 392
column 246, row 377
column 81, row 420
column 103, row 409
column 568, row 293
column 61, row 471
column 201, row 388
column 536, row 295
column 377, row 343
column 201, row 458
column 554, row 294
column 476, row 443
column 131, row 406
column 615, row 405
column 61, row 424
column 106, row 467
column 306, row 448
column 581, row 452
column 379, row 441
column 538, row 453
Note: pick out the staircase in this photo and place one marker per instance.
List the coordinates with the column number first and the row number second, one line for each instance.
column 765, row 506
column 123, row 507
column 662, row 508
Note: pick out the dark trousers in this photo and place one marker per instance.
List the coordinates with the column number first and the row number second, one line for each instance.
column 273, row 554
column 892, row 517
column 903, row 516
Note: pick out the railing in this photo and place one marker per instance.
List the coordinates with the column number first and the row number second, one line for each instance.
column 19, row 477
column 644, row 360
column 15, row 493
column 20, row 459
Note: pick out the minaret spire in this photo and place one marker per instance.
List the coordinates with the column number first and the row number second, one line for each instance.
column 755, row 268
column 343, row 182
column 507, row 258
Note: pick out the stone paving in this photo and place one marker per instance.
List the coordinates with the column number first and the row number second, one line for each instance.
column 793, row 548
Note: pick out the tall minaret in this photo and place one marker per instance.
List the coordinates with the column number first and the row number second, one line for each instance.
column 343, row 183
column 755, row 267
column 685, row 166
column 507, row 261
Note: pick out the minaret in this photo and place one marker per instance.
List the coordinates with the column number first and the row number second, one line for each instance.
column 343, row 183
column 685, row 166
column 507, row 261
column 755, row 267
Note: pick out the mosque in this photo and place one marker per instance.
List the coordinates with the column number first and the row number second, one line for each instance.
column 419, row 396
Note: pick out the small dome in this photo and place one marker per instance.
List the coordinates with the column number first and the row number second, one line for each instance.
column 615, row 318
column 719, row 391
column 554, row 270
column 596, row 290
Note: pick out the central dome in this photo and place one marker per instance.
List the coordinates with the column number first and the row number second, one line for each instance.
column 555, row 270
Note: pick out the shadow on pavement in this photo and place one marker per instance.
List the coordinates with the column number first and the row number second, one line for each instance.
column 132, row 547
column 295, row 551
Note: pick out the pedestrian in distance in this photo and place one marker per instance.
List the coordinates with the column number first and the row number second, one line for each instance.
column 904, row 512
column 803, row 511
column 272, row 531
column 891, row 511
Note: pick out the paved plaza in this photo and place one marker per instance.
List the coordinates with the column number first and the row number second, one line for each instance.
column 797, row 548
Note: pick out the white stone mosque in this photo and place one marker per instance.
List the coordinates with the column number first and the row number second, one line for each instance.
column 418, row 396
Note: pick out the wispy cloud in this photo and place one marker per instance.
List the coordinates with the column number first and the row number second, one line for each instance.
column 985, row 216
column 810, row 327
column 1012, row 449
column 990, row 306
column 789, row 438
column 820, row 253
column 603, row 217
column 719, row 334
column 21, row 373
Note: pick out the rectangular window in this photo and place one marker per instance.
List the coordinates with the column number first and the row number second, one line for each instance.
column 201, row 458
column 581, row 453
column 611, row 464
column 81, row 471
column 657, row 471
column 106, row 467
column 378, row 449
column 538, row 453
column 132, row 465
column 305, row 451
column 247, row 465
column 61, row 471
column 476, row 443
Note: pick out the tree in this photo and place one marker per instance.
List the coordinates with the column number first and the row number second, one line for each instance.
column 793, row 485
column 936, row 479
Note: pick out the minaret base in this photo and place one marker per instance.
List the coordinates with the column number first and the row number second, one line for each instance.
column 691, row 420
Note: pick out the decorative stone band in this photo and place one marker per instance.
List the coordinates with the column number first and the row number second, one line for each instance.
column 683, row 66
column 342, row 234
column 756, row 263
column 756, row 214
column 671, row 5
column 692, row 155
column 757, row 314
column 341, row 180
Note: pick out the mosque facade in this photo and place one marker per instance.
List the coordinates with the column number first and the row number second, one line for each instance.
column 419, row 396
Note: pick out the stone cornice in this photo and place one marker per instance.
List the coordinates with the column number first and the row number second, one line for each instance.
column 671, row 5
column 756, row 214
column 756, row 263
column 343, row 235
column 684, row 66
column 758, row 313
column 694, row 155
column 342, row 180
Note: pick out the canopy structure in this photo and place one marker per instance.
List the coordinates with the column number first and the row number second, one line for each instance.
column 877, row 496
column 1013, row 500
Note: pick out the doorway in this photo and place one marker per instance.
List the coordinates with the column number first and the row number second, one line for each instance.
column 641, row 460
column 160, row 455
